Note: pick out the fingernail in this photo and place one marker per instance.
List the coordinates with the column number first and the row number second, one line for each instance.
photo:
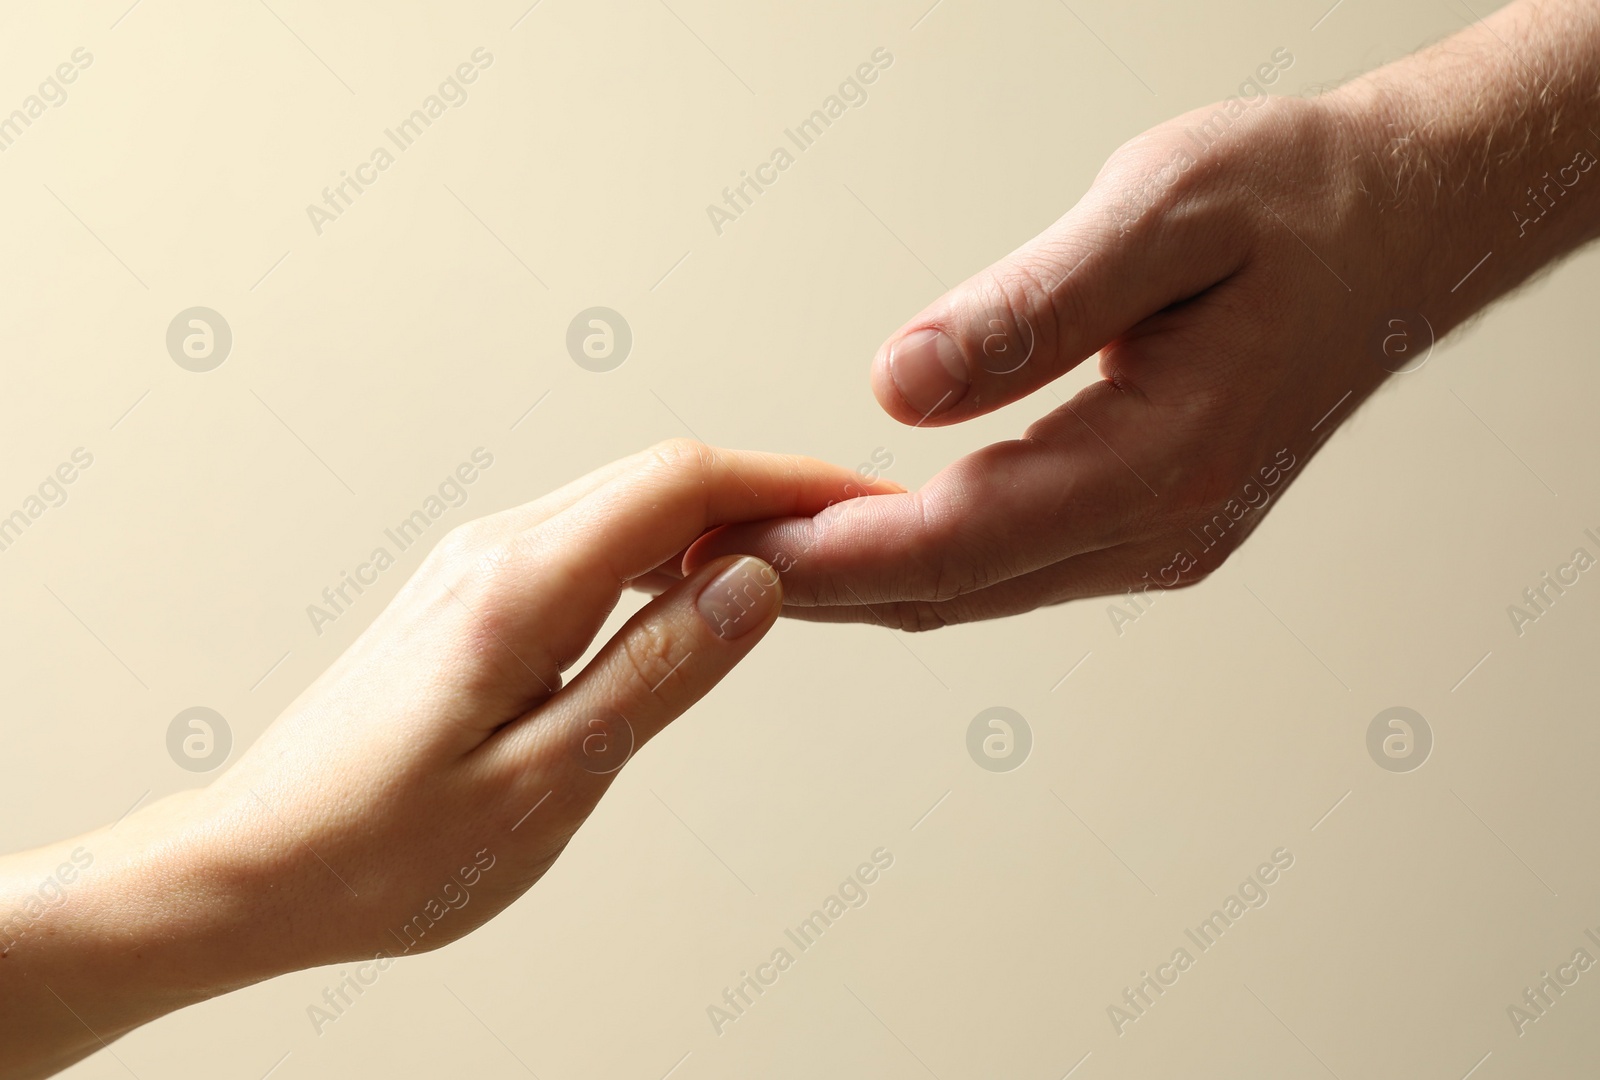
column 739, row 599
column 928, row 370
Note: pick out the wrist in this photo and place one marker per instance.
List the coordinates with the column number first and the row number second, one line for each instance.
column 121, row 926
column 1476, row 157
column 1418, row 235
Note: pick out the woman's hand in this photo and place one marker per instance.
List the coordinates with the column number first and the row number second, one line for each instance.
column 429, row 777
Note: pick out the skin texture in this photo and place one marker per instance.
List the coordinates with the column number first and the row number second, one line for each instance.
column 1239, row 272
column 389, row 810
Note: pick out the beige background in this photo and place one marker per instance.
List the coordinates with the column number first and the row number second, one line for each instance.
column 426, row 321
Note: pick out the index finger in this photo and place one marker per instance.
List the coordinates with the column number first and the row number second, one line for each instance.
column 682, row 488
column 537, row 595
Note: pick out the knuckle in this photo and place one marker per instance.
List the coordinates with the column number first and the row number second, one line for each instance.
column 1007, row 314
column 1146, row 178
column 947, row 555
column 652, row 654
column 480, row 591
column 461, row 545
column 489, row 569
column 482, row 587
column 471, row 564
column 959, row 575
column 477, row 568
column 1197, row 160
column 933, row 567
column 681, row 455
column 1037, row 307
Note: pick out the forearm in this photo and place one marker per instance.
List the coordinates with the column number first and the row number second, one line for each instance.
column 1480, row 152
column 108, row 931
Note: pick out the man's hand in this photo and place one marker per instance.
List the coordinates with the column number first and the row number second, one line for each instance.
column 1248, row 274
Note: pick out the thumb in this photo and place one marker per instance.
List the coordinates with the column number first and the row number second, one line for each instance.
column 662, row 661
column 1039, row 312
